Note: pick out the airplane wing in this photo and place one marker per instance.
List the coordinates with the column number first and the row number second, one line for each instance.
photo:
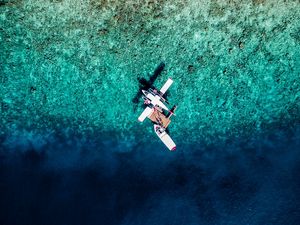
column 166, row 86
column 147, row 111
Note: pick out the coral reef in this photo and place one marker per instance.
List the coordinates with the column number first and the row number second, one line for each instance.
column 68, row 64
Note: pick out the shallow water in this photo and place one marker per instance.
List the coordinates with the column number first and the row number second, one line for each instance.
column 72, row 151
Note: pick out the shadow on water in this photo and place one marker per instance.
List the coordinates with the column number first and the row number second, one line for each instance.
column 145, row 84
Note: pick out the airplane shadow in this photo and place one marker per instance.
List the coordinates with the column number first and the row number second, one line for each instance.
column 145, row 84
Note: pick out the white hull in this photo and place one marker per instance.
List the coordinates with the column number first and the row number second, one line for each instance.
column 164, row 137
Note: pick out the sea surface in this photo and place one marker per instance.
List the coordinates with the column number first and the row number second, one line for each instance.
column 71, row 148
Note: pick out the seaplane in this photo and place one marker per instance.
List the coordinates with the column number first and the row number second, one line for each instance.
column 157, row 111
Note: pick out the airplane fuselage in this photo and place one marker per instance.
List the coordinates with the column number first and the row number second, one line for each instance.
column 155, row 100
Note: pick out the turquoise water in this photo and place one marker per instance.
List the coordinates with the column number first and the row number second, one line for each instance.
column 235, row 66
column 69, row 72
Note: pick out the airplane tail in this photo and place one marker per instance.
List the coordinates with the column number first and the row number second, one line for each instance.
column 171, row 112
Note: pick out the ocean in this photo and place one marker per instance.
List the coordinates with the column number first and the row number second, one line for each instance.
column 72, row 150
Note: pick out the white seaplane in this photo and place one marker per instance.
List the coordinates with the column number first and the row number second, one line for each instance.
column 155, row 107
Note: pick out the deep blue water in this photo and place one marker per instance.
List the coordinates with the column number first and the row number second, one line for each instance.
column 245, row 181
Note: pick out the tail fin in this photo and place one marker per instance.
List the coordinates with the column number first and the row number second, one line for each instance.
column 171, row 112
